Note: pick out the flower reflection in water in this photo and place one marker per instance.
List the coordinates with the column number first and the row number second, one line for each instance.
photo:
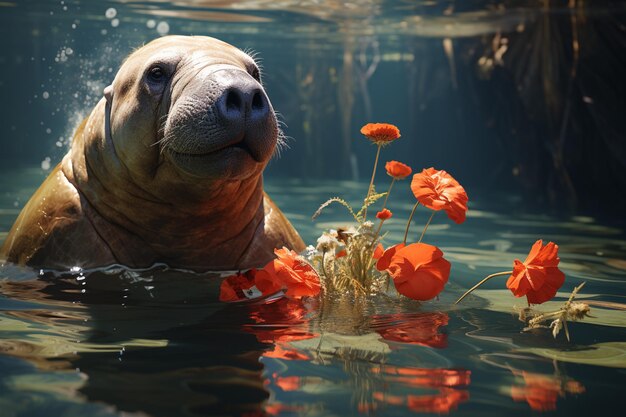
column 373, row 386
column 413, row 328
column 282, row 322
column 443, row 389
column 541, row 392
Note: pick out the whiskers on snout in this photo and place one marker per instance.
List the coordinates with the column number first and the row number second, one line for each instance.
column 165, row 136
column 281, row 139
column 162, row 138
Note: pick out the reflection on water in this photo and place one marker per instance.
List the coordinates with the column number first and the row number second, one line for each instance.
column 158, row 342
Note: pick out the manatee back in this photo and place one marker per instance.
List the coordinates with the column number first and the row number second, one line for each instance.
column 52, row 231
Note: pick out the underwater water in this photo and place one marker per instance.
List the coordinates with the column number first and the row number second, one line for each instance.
column 159, row 343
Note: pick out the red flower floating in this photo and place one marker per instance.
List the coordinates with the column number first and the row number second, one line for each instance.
column 438, row 190
column 419, row 271
column 397, row 170
column 289, row 271
column 538, row 277
column 239, row 286
column 381, row 133
column 384, row 214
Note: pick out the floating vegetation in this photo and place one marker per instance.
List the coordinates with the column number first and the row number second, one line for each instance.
column 571, row 311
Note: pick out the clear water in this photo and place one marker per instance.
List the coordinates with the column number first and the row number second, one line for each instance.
column 158, row 343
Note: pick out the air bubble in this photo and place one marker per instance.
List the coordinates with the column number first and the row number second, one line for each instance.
column 151, row 24
column 163, row 28
column 110, row 13
column 45, row 95
column 45, row 164
column 115, row 22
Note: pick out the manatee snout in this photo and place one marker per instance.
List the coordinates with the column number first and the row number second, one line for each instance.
column 226, row 114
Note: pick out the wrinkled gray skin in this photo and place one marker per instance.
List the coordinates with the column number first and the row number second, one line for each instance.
column 167, row 168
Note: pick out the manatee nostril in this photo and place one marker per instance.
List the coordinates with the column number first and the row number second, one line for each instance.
column 233, row 100
column 257, row 101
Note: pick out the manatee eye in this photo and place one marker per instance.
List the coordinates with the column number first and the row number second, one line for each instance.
column 156, row 74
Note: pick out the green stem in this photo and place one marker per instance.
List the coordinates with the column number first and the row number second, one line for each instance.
column 369, row 189
column 487, row 278
column 408, row 224
column 388, row 192
column 426, row 227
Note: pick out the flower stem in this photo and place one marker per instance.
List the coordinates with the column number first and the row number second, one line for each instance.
column 380, row 225
column 408, row 224
column 324, row 266
column 369, row 189
column 388, row 192
column 426, row 227
column 487, row 278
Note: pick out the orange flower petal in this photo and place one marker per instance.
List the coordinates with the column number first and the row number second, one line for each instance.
column 385, row 259
column 538, row 277
column 384, row 214
column 378, row 251
column 419, row 271
column 380, row 133
column 398, row 170
column 438, row 190
column 268, row 281
column 298, row 276
column 233, row 287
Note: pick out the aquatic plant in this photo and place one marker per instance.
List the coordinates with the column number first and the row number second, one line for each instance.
column 538, row 277
column 571, row 311
column 352, row 263
column 417, row 270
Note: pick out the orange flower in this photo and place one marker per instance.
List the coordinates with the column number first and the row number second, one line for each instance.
column 384, row 260
column 437, row 190
column 419, row 271
column 381, row 133
column 289, row 271
column 239, row 287
column 341, row 253
column 384, row 214
column 538, row 277
column 378, row 251
column 398, row 170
